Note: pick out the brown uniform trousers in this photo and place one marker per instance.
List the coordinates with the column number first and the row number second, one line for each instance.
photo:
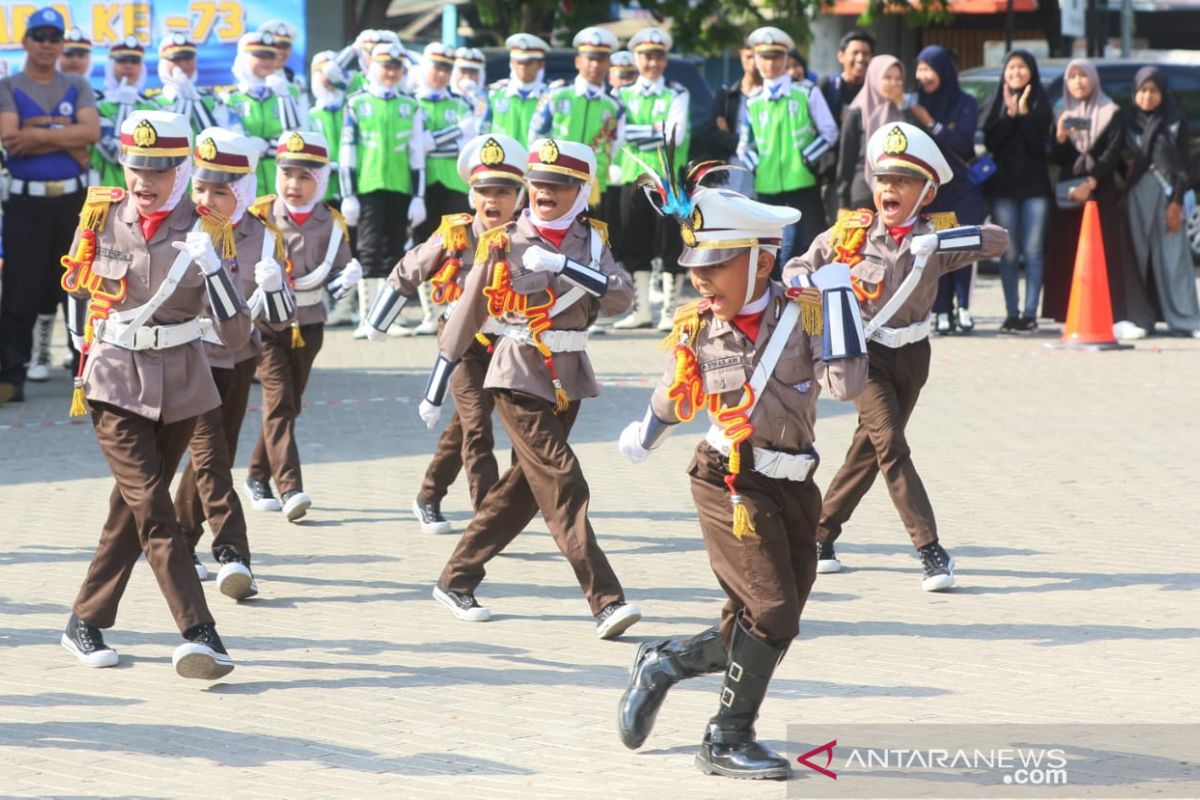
column 143, row 455
column 545, row 475
column 206, row 488
column 767, row 577
column 467, row 440
column 283, row 371
column 880, row 445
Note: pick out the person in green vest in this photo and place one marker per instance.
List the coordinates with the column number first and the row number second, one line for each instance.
column 513, row 100
column 469, row 79
column 621, row 73
column 264, row 100
column 177, row 71
column 783, row 132
column 124, row 78
column 327, row 116
column 581, row 111
column 382, row 170
column 449, row 123
column 656, row 113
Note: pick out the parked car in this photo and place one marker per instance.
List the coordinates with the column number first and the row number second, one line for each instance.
column 1116, row 76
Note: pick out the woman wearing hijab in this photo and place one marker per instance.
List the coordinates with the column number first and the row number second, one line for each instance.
column 1087, row 145
column 877, row 104
column 951, row 116
column 1160, row 280
column 1016, row 131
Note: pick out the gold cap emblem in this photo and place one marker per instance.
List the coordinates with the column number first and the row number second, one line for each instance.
column 548, row 153
column 144, row 134
column 688, row 232
column 896, row 141
column 491, row 153
column 207, row 149
column 295, row 143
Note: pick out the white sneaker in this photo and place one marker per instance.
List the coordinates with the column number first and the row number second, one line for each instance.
column 38, row 373
column 296, row 504
column 201, row 570
column 259, row 493
column 398, row 330
column 428, row 327
column 827, row 560
column 235, row 580
column 1128, row 331
column 464, row 606
column 965, row 321
column 943, row 323
column 203, row 657
column 361, row 331
column 615, row 618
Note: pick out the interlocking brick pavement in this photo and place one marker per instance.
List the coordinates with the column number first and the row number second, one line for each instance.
column 1063, row 484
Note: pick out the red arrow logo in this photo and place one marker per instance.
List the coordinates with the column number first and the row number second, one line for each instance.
column 827, row 749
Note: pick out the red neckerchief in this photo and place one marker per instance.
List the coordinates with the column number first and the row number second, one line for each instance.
column 151, row 222
column 300, row 216
column 554, row 237
column 749, row 324
column 899, row 232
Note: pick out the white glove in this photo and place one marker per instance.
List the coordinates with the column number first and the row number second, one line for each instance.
column 335, row 75
column 614, row 173
column 538, row 259
column 268, row 275
column 351, row 210
column 376, row 335
column 197, row 245
column 351, row 274
column 125, row 95
column 416, row 212
column 278, row 84
column 926, row 244
column 631, row 443
column 430, row 414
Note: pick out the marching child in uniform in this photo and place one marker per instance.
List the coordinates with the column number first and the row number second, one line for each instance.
column 494, row 167
column 223, row 180
column 318, row 251
column 896, row 257
column 757, row 357
column 146, row 377
column 538, row 283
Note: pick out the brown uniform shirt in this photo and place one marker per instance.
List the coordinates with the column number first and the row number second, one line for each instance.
column 518, row 366
column 786, row 411
column 306, row 246
column 887, row 263
column 171, row 384
column 248, row 238
column 424, row 261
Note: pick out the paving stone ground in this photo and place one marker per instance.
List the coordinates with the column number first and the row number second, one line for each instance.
column 1064, row 484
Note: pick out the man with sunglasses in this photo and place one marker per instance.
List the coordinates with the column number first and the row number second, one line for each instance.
column 47, row 120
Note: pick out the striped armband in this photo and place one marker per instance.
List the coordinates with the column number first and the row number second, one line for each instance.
column 221, row 295
column 843, row 335
column 590, row 279
column 960, row 240
column 654, row 430
column 335, row 288
column 76, row 314
column 817, row 148
column 447, row 136
column 750, row 157
column 439, row 380
column 277, row 306
column 389, row 302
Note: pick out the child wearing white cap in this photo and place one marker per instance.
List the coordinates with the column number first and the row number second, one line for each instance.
column 513, row 101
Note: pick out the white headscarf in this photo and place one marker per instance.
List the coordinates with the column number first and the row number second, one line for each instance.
column 244, row 189
column 183, row 176
column 111, row 83
column 246, row 79
column 375, row 83
column 322, row 176
column 566, row 220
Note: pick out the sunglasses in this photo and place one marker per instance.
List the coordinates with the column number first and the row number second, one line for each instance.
column 44, row 36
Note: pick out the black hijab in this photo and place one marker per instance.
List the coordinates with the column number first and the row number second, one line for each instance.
column 1039, row 102
column 1147, row 126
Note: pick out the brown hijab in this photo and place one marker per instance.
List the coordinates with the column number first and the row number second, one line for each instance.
column 876, row 109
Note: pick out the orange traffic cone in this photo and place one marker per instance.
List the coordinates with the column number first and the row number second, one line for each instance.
column 1089, row 314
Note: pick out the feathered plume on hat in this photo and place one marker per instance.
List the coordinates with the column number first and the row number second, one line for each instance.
column 670, row 196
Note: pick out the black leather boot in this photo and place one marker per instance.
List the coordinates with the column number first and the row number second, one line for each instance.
column 656, row 668
column 729, row 747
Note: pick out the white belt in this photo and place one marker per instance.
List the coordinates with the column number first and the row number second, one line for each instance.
column 772, row 463
column 557, row 341
column 16, row 186
column 491, row 325
column 899, row 337
column 155, row 337
column 310, row 297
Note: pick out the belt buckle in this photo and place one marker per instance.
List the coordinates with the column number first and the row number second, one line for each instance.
column 55, row 188
column 145, row 338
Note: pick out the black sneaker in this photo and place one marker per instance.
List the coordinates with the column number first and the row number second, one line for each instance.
column 827, row 560
column 295, row 504
column 430, row 517
column 461, row 604
column 201, row 570
column 1026, row 325
column 202, row 656
column 615, row 618
column 261, row 498
column 1009, row 325
column 235, row 578
column 939, row 568
column 86, row 643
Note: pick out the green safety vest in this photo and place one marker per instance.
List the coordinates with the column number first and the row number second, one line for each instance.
column 114, row 174
column 328, row 121
column 593, row 122
column 440, row 114
column 641, row 109
column 380, row 130
column 782, row 129
column 261, row 118
column 509, row 113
